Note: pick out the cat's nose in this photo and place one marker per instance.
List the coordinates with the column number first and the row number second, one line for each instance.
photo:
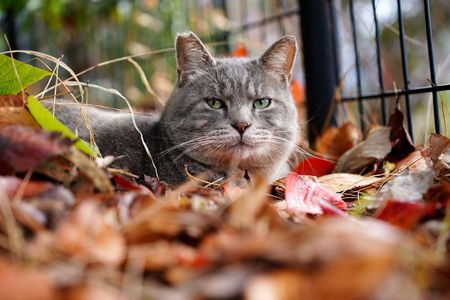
column 241, row 127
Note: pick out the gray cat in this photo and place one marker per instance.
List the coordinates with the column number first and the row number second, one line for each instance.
column 224, row 116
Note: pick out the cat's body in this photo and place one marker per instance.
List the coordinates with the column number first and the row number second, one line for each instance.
column 224, row 115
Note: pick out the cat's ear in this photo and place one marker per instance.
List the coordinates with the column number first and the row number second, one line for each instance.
column 192, row 56
column 280, row 57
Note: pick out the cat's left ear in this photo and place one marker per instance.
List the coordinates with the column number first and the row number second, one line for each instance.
column 280, row 58
column 192, row 56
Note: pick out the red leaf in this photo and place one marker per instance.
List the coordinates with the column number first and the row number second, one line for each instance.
column 32, row 188
column 315, row 166
column 306, row 196
column 240, row 50
column 128, row 185
column 22, row 148
column 404, row 214
column 297, row 91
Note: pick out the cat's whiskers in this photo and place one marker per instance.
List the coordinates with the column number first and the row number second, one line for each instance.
column 197, row 140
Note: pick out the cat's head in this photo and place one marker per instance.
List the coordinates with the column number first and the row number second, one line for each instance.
column 233, row 112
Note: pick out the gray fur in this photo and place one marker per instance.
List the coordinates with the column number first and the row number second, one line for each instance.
column 193, row 134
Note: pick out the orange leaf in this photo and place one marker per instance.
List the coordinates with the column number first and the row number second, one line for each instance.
column 240, row 50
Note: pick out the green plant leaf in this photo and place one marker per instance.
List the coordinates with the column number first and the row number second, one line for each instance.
column 16, row 75
column 50, row 123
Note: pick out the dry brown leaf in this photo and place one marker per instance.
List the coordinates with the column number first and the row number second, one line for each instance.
column 341, row 182
column 17, row 116
column 336, row 141
column 29, row 216
column 281, row 285
column 18, row 284
column 92, row 291
column 23, row 148
column 415, row 161
column 437, row 144
column 59, row 169
column 12, row 100
column 89, row 168
column 407, row 186
column 163, row 254
column 246, row 211
column 165, row 221
column 86, row 236
column 376, row 146
column 336, row 249
column 11, row 185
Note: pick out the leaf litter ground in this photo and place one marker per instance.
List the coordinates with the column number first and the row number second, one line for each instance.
column 376, row 228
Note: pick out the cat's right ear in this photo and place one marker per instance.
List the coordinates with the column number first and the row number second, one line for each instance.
column 280, row 57
column 192, row 56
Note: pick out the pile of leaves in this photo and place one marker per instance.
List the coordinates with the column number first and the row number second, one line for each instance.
column 373, row 225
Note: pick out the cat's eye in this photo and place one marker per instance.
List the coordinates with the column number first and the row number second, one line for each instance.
column 261, row 103
column 215, row 103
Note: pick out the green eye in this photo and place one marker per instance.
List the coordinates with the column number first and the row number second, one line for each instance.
column 261, row 103
column 215, row 103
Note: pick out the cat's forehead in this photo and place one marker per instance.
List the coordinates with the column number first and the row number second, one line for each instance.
column 236, row 66
column 238, row 76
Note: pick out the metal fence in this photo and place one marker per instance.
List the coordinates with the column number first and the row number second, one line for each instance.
column 318, row 29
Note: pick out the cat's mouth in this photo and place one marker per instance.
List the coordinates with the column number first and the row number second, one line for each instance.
column 242, row 149
column 243, row 145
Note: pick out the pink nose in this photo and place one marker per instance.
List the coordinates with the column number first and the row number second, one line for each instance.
column 241, row 127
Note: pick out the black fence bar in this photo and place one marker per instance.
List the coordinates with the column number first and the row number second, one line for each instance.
column 404, row 67
column 403, row 92
column 379, row 64
column 357, row 66
column 318, row 64
column 334, row 40
column 437, row 122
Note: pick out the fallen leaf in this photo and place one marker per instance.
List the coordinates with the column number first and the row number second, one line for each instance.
column 92, row 291
column 414, row 162
column 17, row 283
column 315, row 166
column 402, row 144
column 17, row 116
column 163, row 255
column 336, row 141
column 58, row 168
column 159, row 221
column 246, row 215
column 159, row 188
column 341, row 182
column 23, row 148
column 375, row 147
column 437, row 145
column 29, row 216
column 304, row 196
column 89, row 168
column 336, row 249
column 407, row 186
column 11, row 186
column 86, row 236
column 404, row 214
column 12, row 100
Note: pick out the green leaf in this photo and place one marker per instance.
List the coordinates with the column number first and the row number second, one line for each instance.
column 12, row 82
column 50, row 123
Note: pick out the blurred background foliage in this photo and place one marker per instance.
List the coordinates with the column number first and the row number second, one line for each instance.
column 87, row 32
